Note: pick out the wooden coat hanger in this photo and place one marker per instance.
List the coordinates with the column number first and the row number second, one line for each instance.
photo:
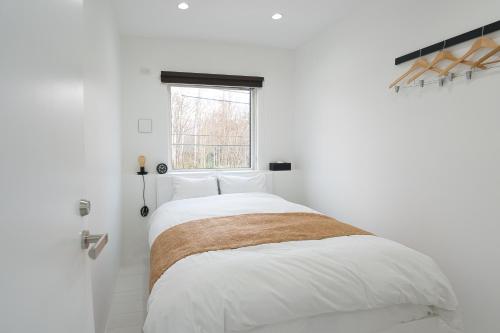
column 441, row 56
column 481, row 43
column 420, row 63
column 492, row 62
column 488, row 55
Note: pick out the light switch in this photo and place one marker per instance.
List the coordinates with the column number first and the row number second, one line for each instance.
column 145, row 126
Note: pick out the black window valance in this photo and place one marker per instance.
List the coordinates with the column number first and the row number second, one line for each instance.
column 212, row 79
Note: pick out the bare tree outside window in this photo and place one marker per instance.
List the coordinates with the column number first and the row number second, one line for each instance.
column 211, row 128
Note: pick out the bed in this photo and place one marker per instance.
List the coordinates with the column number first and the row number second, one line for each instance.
column 357, row 283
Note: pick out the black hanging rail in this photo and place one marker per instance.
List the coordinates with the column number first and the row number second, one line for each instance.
column 487, row 29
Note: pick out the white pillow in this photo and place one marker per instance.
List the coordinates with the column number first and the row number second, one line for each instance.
column 242, row 184
column 185, row 188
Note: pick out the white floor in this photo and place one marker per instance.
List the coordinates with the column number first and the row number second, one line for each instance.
column 128, row 308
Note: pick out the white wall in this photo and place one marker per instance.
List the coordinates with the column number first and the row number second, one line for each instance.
column 103, row 148
column 145, row 97
column 421, row 167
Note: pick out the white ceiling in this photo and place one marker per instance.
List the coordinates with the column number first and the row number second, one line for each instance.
column 241, row 21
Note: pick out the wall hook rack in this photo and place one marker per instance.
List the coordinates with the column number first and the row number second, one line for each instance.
column 470, row 35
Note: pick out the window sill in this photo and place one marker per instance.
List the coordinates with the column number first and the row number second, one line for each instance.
column 196, row 172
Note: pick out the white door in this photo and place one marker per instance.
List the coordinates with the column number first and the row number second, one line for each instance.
column 44, row 279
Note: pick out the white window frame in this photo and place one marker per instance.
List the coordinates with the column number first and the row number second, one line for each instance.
column 253, row 129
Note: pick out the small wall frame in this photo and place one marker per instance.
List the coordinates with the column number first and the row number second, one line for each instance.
column 145, row 126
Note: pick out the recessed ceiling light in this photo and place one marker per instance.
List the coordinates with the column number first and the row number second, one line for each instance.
column 183, row 6
column 277, row 16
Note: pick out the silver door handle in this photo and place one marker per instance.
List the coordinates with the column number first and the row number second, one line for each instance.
column 98, row 241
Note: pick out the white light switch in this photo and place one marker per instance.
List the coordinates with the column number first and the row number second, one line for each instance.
column 145, row 126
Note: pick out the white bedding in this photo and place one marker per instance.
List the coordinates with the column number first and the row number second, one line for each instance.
column 249, row 289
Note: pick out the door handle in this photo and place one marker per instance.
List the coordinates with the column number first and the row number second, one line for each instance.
column 98, row 243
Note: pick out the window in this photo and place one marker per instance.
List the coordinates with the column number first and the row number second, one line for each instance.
column 211, row 128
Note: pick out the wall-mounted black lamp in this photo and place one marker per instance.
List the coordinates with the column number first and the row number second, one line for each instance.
column 142, row 165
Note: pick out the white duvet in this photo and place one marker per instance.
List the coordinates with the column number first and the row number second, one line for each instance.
column 248, row 288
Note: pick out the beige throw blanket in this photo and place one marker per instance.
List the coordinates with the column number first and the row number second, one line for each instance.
column 232, row 232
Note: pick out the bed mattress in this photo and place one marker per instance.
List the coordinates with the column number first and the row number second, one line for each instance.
column 346, row 284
